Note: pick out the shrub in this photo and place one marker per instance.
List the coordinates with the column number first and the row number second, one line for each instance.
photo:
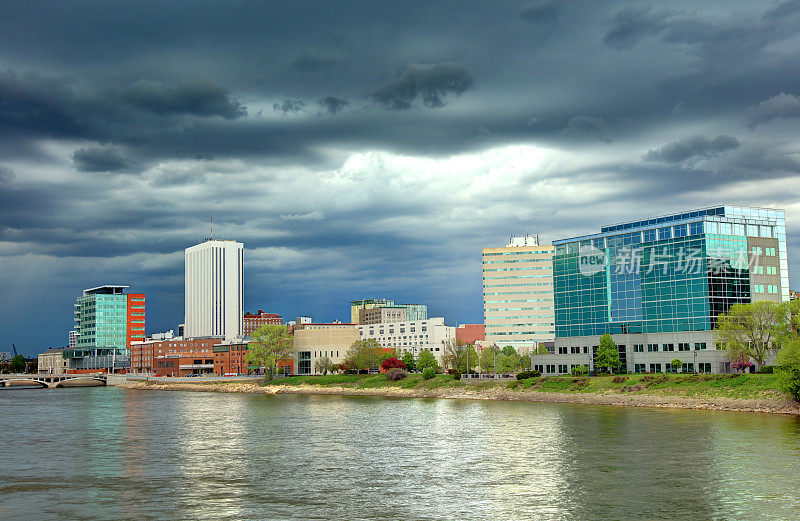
column 580, row 370
column 392, row 363
column 428, row 373
column 619, row 379
column 395, row 374
column 524, row 375
column 767, row 369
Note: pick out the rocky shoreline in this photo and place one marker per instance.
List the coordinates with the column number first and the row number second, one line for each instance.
column 773, row 406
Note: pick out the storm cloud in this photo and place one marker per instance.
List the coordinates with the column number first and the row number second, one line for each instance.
column 361, row 150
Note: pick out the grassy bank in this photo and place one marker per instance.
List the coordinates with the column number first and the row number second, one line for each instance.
column 751, row 386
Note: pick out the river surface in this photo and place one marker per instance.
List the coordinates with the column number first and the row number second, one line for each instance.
column 116, row 454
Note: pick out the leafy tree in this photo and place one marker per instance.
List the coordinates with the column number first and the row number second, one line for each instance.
column 426, row 360
column 540, row 350
column 788, row 367
column 408, row 359
column 752, row 330
column 392, row 363
column 676, row 364
column 607, row 354
column 270, row 344
column 323, row 365
column 487, row 358
column 508, row 350
column 428, row 373
column 363, row 355
column 508, row 363
column 17, row 364
column 459, row 356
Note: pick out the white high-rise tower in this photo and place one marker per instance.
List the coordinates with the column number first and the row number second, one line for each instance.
column 214, row 289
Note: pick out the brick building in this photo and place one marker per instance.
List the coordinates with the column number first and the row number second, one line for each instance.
column 253, row 321
column 471, row 333
column 173, row 356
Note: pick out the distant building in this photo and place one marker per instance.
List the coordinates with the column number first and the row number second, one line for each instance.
column 73, row 339
column 253, row 321
column 229, row 358
column 315, row 341
column 417, row 336
column 471, row 333
column 518, row 293
column 52, row 361
column 214, row 289
column 382, row 314
column 413, row 311
column 792, row 294
column 173, row 356
column 107, row 320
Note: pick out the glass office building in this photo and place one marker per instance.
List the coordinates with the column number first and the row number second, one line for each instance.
column 101, row 326
column 662, row 282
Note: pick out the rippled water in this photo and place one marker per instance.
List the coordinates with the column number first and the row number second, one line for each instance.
column 106, row 453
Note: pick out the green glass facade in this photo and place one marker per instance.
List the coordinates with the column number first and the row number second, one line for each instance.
column 662, row 275
column 101, row 321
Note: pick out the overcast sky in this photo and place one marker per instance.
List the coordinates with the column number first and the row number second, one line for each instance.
column 368, row 149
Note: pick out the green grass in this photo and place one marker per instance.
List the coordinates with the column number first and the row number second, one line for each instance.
column 700, row 386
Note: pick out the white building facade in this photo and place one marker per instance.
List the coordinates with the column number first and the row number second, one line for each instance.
column 414, row 336
column 214, row 296
column 518, row 305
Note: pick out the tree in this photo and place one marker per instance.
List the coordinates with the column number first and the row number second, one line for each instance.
column 323, row 365
column 487, row 358
column 392, row 363
column 752, row 330
column 270, row 344
column 676, row 364
column 459, row 356
column 17, row 364
column 363, row 355
column 607, row 354
column 425, row 360
column 540, row 350
column 788, row 367
column 508, row 350
column 408, row 359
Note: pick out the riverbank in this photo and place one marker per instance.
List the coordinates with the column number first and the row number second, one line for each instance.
column 745, row 393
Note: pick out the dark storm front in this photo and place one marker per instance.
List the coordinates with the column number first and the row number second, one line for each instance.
column 124, row 454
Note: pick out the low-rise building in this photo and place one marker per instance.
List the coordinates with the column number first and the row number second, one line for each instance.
column 253, row 321
column 471, row 333
column 381, row 314
column 52, row 361
column 154, row 356
column 315, row 341
column 415, row 336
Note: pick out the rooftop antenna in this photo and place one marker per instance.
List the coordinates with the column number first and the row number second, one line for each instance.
column 212, row 226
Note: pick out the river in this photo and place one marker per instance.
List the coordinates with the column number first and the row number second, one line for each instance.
column 117, row 454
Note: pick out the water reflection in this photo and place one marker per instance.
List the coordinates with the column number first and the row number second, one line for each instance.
column 101, row 453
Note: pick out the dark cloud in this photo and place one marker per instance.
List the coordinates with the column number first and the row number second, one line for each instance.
column 332, row 104
column 632, row 24
column 428, row 81
column 199, row 98
column 585, row 127
column 539, row 11
column 101, row 159
column 777, row 107
column 692, row 147
column 289, row 106
column 6, row 175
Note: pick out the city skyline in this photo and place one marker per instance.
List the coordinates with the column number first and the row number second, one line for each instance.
column 357, row 163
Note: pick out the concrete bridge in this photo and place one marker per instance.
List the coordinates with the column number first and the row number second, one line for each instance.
column 52, row 381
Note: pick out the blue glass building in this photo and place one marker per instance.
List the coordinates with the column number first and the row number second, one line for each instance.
column 662, row 282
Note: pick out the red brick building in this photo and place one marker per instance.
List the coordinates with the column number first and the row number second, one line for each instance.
column 229, row 359
column 471, row 333
column 136, row 318
column 253, row 321
column 173, row 356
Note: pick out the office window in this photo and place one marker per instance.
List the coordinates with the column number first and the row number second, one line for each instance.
column 652, row 348
column 683, row 346
column 668, row 347
column 704, row 367
column 562, row 368
column 639, row 368
column 655, row 368
column 699, row 346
